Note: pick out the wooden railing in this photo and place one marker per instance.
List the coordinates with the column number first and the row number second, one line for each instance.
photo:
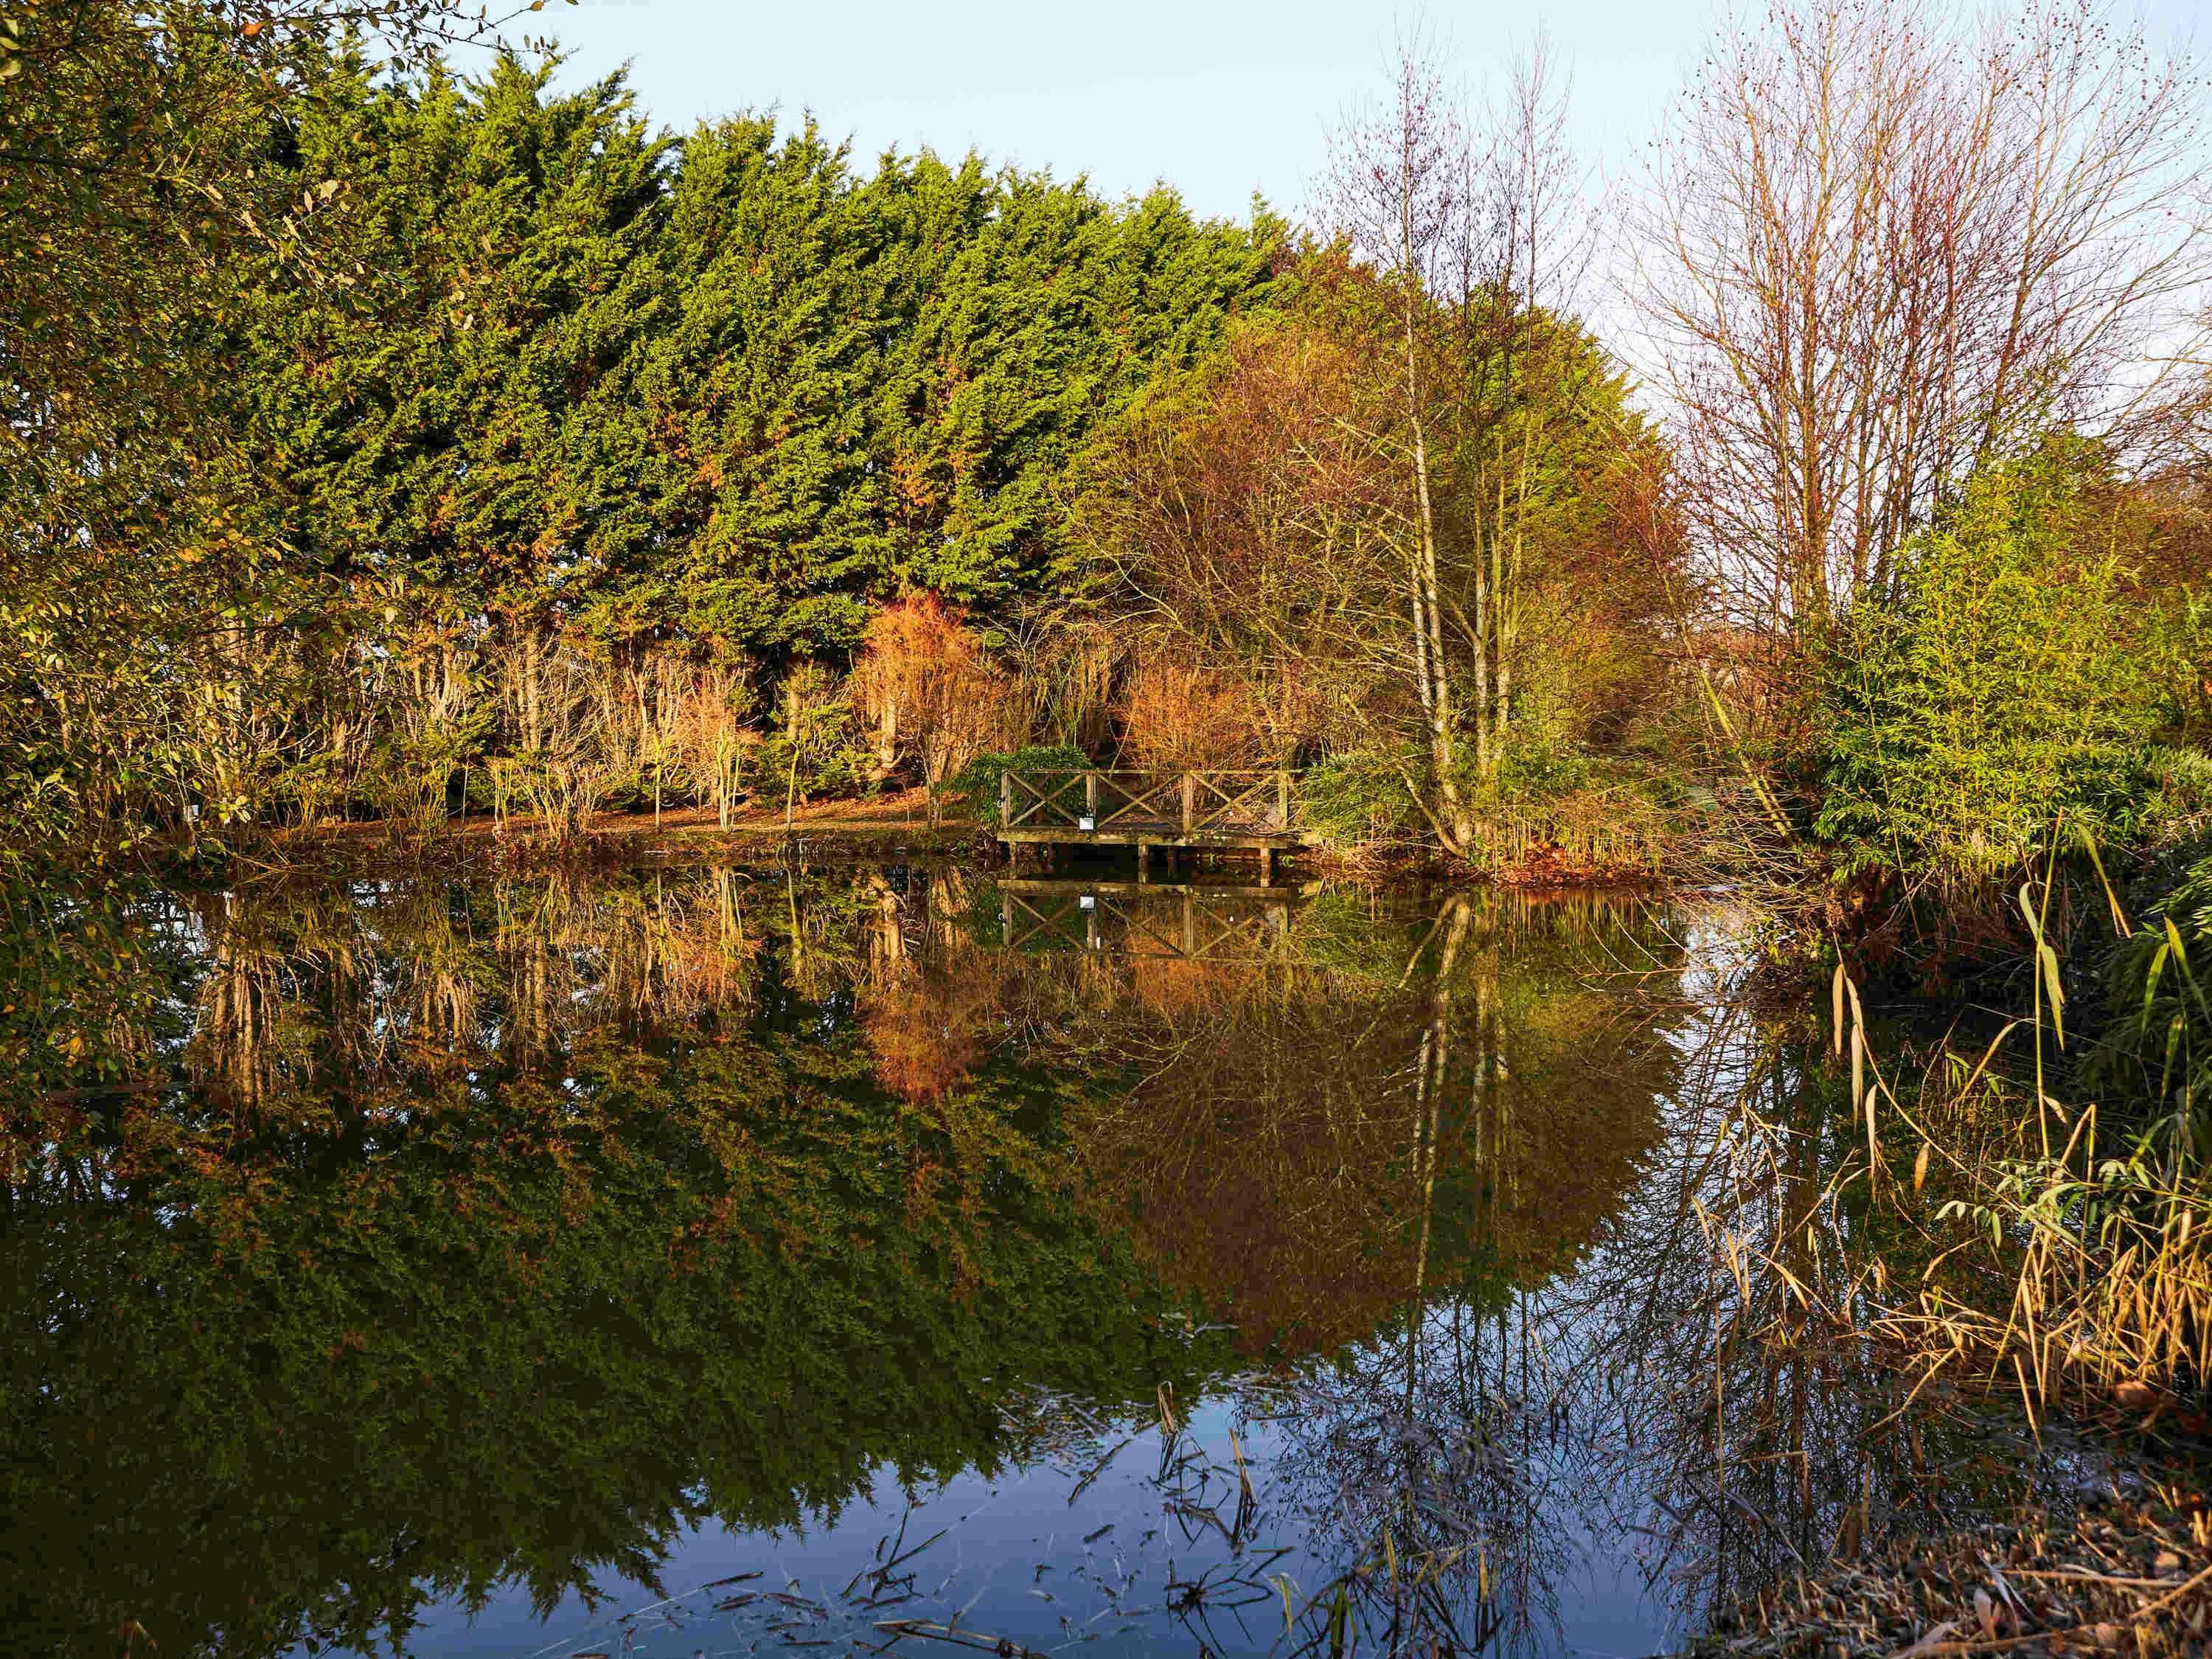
column 1092, row 800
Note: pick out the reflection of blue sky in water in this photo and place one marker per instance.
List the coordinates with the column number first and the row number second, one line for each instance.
column 1018, row 1560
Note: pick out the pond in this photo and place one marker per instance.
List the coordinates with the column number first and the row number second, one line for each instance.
column 724, row 1260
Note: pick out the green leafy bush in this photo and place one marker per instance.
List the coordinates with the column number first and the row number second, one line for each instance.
column 1541, row 766
column 2177, row 647
column 975, row 786
column 817, row 752
column 1362, row 798
column 1996, row 693
column 1549, row 802
column 2178, row 810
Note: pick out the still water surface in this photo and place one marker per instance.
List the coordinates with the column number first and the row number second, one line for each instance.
column 724, row 1260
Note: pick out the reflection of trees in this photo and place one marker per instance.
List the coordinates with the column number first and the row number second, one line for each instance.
column 1381, row 1141
column 931, row 1027
column 267, row 1400
column 90, row 987
column 1763, row 1428
column 1420, row 1157
column 931, row 998
column 1417, row 1459
column 294, row 990
column 298, row 991
column 1309, row 1146
column 1388, row 1142
column 1700, row 1380
column 416, row 1327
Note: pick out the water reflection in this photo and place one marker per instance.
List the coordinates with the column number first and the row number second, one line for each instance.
column 820, row 1255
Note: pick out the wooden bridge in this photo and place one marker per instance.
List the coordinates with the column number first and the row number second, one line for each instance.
column 1255, row 811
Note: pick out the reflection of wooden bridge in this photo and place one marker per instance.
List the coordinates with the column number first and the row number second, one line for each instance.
column 1173, row 920
column 1256, row 811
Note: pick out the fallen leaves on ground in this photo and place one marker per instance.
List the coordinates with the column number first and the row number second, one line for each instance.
column 2133, row 1577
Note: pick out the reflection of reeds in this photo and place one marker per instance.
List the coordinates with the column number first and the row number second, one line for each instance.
column 307, row 988
column 1176, row 989
column 2021, row 1245
column 1853, row 1291
column 1716, row 1409
column 274, row 982
column 1789, row 1399
column 304, row 987
column 238, row 1039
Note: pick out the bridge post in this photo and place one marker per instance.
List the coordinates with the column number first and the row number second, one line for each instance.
column 1189, row 800
column 1090, row 798
column 1006, row 799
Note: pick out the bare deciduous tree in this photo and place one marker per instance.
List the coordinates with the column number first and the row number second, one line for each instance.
column 1477, row 232
column 1399, row 181
column 1882, row 242
column 1524, row 242
column 712, row 738
column 1244, row 511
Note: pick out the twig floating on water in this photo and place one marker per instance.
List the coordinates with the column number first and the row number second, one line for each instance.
column 1094, row 1471
column 1004, row 1647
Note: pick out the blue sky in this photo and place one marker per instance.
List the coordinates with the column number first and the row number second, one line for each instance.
column 1216, row 97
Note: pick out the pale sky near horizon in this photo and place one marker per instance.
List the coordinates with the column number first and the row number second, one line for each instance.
column 1218, row 98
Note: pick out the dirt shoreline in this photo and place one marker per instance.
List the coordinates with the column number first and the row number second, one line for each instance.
column 833, row 830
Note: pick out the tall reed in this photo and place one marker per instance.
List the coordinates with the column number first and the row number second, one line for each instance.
column 2061, row 1249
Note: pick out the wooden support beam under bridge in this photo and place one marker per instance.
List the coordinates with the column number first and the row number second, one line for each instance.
column 1218, row 810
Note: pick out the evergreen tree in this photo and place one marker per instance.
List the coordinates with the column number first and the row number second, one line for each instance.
column 726, row 391
column 448, row 409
